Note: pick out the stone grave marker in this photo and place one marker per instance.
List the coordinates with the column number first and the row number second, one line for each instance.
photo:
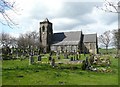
column 91, row 59
column 49, row 58
column 39, row 57
column 31, row 60
column 53, row 62
column 71, row 59
column 65, row 55
column 58, row 55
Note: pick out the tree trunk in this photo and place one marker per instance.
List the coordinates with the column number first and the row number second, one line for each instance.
column 118, row 53
column 106, row 49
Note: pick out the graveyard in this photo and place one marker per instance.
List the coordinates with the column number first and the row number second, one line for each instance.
column 61, row 69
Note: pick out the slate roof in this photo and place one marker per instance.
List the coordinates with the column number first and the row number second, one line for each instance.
column 66, row 38
column 90, row 38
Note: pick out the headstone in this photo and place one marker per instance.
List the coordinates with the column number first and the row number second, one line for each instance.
column 53, row 62
column 71, row 59
column 65, row 55
column 91, row 59
column 84, row 53
column 87, row 63
column 74, row 57
column 31, row 60
column 83, row 66
column 50, row 58
column 77, row 56
column 58, row 55
column 39, row 57
column 50, row 53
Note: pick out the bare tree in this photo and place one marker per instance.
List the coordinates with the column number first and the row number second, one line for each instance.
column 7, row 40
column 4, row 7
column 22, row 42
column 29, row 40
column 112, row 6
column 105, row 39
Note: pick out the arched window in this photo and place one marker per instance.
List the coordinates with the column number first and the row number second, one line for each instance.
column 43, row 29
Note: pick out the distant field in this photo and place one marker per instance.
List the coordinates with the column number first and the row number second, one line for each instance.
column 110, row 51
column 16, row 72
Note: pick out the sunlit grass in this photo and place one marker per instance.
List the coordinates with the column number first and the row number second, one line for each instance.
column 19, row 72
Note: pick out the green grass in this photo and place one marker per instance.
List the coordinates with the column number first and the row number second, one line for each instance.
column 16, row 72
column 110, row 51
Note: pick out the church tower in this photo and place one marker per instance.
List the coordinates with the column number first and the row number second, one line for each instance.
column 46, row 32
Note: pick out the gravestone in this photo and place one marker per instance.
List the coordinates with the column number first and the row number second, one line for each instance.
column 65, row 55
column 31, row 60
column 83, row 66
column 77, row 56
column 84, row 53
column 53, row 62
column 71, row 59
column 39, row 57
column 50, row 54
column 91, row 59
column 74, row 57
column 87, row 63
column 49, row 58
column 58, row 55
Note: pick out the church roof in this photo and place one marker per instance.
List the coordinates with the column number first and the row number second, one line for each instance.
column 90, row 38
column 66, row 38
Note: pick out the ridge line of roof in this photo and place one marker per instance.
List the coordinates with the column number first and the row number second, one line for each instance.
column 69, row 32
column 91, row 34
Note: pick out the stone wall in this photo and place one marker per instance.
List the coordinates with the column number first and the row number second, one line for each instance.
column 69, row 48
column 90, row 47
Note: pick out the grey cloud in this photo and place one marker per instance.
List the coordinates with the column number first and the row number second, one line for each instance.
column 64, row 27
column 79, row 11
column 76, row 9
column 86, row 19
column 109, row 18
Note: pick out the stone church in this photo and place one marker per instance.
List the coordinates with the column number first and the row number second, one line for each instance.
column 66, row 41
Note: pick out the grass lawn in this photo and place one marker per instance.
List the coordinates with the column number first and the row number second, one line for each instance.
column 17, row 72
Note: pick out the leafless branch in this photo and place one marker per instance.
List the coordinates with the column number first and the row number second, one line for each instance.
column 110, row 7
column 4, row 7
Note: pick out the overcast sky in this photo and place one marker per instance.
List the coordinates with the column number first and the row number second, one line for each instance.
column 66, row 15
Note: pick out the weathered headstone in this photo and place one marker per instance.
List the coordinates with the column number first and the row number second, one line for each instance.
column 65, row 55
column 77, row 56
column 87, row 63
column 49, row 58
column 74, row 57
column 53, row 62
column 50, row 54
column 83, row 66
column 84, row 53
column 71, row 59
column 39, row 57
column 58, row 55
column 91, row 59
column 31, row 60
